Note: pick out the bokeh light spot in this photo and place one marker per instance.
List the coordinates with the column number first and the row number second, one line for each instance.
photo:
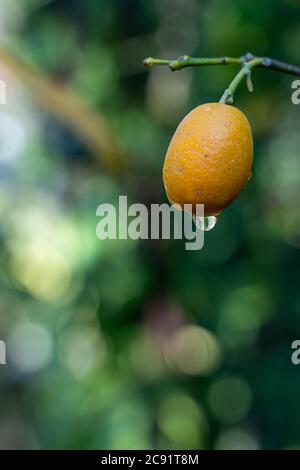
column 193, row 350
column 30, row 348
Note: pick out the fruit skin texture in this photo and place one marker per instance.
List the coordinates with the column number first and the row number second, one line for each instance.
column 209, row 158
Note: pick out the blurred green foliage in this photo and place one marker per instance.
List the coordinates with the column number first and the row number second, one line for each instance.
column 126, row 344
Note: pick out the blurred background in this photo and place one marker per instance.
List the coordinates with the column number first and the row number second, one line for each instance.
column 143, row 345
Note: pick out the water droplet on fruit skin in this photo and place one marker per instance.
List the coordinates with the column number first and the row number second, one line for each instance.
column 205, row 223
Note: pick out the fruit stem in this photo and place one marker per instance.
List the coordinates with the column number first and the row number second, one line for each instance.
column 245, row 71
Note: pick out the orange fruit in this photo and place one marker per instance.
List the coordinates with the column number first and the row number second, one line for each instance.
column 209, row 158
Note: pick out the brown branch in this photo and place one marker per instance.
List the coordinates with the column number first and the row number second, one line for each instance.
column 67, row 106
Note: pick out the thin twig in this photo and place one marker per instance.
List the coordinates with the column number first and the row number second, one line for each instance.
column 248, row 62
column 187, row 61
